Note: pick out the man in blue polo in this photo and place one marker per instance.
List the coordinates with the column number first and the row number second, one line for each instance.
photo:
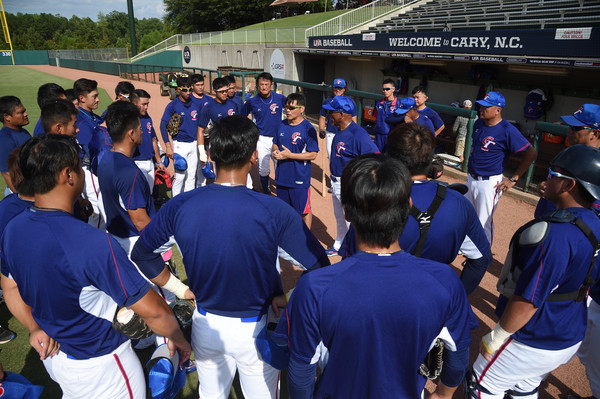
column 13, row 116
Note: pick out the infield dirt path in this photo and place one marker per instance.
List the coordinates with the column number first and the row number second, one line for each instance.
column 511, row 214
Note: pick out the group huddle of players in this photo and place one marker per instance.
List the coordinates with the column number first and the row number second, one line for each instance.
column 368, row 321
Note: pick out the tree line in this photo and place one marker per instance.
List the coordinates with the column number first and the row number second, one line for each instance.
column 54, row 32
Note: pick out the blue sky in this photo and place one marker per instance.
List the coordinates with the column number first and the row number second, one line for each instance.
column 85, row 8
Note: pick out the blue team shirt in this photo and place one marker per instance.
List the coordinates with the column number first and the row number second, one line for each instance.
column 123, row 188
column 9, row 140
column 73, row 281
column 201, row 102
column 298, row 139
column 146, row 150
column 11, row 206
column 383, row 109
column 433, row 116
column 266, row 112
column 330, row 126
column 492, row 146
column 347, row 144
column 188, row 129
column 455, row 220
column 38, row 130
column 88, row 123
column 558, row 264
column 377, row 316
column 230, row 256
column 215, row 111
column 239, row 102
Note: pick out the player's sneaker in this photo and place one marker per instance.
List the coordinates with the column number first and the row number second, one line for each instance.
column 331, row 251
column 6, row 335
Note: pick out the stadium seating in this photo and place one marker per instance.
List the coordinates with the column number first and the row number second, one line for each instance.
column 493, row 14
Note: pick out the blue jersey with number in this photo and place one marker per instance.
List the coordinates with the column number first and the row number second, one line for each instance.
column 452, row 223
column 230, row 256
column 298, row 139
column 492, row 146
column 559, row 264
column 382, row 110
column 123, row 187
column 330, row 126
column 188, row 129
column 215, row 111
column 377, row 315
column 9, row 140
column 347, row 144
column 266, row 112
column 146, row 150
column 73, row 281
column 433, row 116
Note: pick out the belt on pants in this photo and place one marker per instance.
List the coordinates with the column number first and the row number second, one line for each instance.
column 251, row 319
column 477, row 177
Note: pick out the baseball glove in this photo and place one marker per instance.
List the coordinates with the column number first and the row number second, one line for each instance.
column 432, row 365
column 184, row 310
column 173, row 125
column 128, row 323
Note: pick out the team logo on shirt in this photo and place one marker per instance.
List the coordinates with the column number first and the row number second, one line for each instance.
column 194, row 114
column 295, row 137
column 489, row 140
column 339, row 148
column 273, row 108
column 149, row 127
column 230, row 112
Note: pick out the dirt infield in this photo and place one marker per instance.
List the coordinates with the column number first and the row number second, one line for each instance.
column 511, row 213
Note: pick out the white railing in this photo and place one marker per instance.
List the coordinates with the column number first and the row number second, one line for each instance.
column 359, row 16
column 172, row 41
column 289, row 35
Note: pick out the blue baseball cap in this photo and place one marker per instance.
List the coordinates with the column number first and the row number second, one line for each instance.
column 339, row 82
column 340, row 104
column 165, row 376
column 207, row 171
column 493, row 99
column 587, row 115
column 179, row 162
column 406, row 104
column 270, row 351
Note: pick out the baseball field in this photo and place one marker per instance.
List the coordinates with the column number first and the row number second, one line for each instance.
column 513, row 211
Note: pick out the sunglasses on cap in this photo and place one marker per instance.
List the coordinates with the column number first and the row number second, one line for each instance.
column 185, row 89
column 552, row 174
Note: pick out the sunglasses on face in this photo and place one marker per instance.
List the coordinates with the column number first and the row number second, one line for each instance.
column 579, row 128
column 185, row 89
column 221, row 90
column 293, row 107
column 387, row 88
column 552, row 174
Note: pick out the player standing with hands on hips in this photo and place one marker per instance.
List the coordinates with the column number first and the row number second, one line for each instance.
column 234, row 280
column 354, row 307
column 494, row 140
column 294, row 147
column 67, row 291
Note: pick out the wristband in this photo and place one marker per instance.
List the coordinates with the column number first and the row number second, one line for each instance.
column 493, row 340
column 202, row 154
column 176, row 286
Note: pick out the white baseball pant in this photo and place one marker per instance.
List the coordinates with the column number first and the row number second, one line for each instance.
column 117, row 374
column 589, row 351
column 222, row 345
column 91, row 192
column 484, row 197
column 518, row 367
column 186, row 180
column 147, row 168
column 264, row 148
column 328, row 140
column 338, row 211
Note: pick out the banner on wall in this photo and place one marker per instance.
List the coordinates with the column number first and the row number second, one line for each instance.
column 277, row 64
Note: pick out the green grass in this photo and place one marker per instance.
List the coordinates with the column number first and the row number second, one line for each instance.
column 307, row 20
column 24, row 83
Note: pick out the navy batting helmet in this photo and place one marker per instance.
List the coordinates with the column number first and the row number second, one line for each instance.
column 583, row 163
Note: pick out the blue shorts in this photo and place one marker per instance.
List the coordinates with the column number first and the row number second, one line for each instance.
column 298, row 198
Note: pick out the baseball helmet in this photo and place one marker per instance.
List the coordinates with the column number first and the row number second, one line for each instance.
column 165, row 376
column 179, row 162
column 583, row 163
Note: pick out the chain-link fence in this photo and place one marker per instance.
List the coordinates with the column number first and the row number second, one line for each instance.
column 96, row 54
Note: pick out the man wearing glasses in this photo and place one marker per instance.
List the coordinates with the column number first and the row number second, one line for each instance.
column 184, row 143
column 294, row 147
column 494, row 140
column 544, row 284
column 383, row 109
